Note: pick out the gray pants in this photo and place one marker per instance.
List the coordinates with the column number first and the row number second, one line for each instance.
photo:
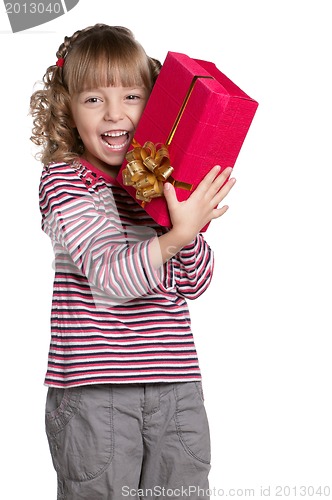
column 135, row 441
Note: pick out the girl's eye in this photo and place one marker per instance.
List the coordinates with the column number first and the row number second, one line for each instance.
column 133, row 97
column 92, row 99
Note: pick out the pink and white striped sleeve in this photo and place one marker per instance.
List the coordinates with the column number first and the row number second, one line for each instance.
column 194, row 268
column 115, row 259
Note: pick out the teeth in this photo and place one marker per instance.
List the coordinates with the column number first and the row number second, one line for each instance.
column 115, row 146
column 114, row 134
column 120, row 146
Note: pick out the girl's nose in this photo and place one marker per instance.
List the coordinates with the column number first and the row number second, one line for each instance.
column 113, row 112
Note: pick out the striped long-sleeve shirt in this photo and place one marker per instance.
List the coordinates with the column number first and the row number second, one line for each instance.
column 115, row 319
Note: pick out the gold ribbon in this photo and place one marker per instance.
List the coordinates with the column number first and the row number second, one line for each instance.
column 149, row 167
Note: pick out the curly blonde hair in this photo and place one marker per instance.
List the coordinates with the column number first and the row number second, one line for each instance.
column 97, row 56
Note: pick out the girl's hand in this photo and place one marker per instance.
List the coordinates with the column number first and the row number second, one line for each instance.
column 190, row 216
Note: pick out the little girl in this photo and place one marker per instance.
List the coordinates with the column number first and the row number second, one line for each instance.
column 124, row 415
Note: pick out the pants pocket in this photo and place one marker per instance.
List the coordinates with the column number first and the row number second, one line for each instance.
column 79, row 427
column 191, row 421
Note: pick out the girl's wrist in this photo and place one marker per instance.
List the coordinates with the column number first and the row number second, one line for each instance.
column 168, row 245
column 184, row 235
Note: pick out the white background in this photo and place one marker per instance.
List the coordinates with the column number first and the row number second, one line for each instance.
column 263, row 328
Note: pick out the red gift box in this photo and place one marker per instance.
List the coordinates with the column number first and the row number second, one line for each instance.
column 197, row 118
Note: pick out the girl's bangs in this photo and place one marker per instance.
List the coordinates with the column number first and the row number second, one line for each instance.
column 104, row 69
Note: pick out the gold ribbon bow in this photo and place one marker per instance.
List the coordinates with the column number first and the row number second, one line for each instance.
column 148, row 169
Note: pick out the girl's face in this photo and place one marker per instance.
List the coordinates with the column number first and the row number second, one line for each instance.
column 106, row 119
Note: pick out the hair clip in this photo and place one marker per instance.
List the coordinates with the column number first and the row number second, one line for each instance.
column 60, row 62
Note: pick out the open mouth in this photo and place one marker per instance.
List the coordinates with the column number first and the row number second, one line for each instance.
column 115, row 140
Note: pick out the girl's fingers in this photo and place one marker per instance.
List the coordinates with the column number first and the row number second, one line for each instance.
column 214, row 179
column 218, row 212
column 203, row 203
column 209, row 178
column 223, row 177
column 170, row 196
column 223, row 191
